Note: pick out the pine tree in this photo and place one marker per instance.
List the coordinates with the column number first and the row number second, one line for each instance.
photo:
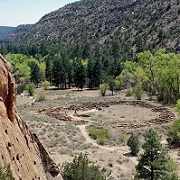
column 90, row 75
column 97, row 73
column 49, row 66
column 36, row 73
column 59, row 72
column 154, row 163
column 81, row 169
column 79, row 74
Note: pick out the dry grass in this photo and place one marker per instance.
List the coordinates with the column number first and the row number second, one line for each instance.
column 63, row 140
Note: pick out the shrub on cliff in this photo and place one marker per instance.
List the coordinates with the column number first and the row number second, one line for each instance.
column 6, row 173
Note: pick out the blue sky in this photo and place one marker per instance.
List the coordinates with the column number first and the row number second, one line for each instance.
column 16, row 12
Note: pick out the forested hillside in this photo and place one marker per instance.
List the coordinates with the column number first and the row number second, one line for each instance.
column 15, row 33
column 102, row 44
column 120, row 28
column 4, row 30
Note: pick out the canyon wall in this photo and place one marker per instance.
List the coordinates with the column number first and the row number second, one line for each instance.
column 18, row 146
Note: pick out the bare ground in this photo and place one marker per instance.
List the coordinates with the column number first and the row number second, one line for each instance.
column 64, row 139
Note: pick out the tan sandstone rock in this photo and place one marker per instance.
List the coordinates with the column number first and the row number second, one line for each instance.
column 18, row 146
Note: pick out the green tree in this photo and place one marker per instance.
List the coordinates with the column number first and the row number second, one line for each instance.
column 174, row 133
column 59, row 72
column 103, row 88
column 112, row 85
column 49, row 68
column 134, row 144
column 30, row 89
column 157, row 73
column 81, row 169
column 154, row 163
column 97, row 72
column 90, row 74
column 138, row 91
column 70, row 73
column 79, row 74
column 177, row 108
column 37, row 75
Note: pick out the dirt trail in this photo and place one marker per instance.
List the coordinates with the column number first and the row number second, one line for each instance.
column 89, row 140
column 123, row 150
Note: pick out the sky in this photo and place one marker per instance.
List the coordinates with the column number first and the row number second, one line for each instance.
column 16, row 12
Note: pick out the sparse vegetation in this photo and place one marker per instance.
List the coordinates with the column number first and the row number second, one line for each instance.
column 45, row 84
column 80, row 168
column 70, row 141
column 129, row 91
column 100, row 134
column 123, row 137
column 41, row 97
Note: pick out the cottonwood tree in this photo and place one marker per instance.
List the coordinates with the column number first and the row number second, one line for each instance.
column 154, row 163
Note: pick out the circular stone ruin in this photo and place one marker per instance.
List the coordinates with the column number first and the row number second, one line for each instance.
column 128, row 114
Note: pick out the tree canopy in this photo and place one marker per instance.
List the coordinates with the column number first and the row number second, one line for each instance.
column 154, row 163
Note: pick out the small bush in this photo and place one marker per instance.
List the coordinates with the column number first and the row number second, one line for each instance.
column 45, row 84
column 117, row 85
column 129, row 92
column 41, row 97
column 138, row 92
column 111, row 85
column 100, row 134
column 21, row 88
column 101, row 140
column 134, row 144
column 103, row 89
column 30, row 89
column 123, row 138
column 93, row 133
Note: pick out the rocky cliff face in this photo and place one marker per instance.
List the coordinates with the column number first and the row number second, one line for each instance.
column 18, row 146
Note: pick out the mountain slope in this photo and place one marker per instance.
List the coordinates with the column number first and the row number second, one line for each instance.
column 4, row 30
column 133, row 25
column 16, row 33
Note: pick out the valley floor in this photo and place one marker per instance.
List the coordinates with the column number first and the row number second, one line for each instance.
column 65, row 139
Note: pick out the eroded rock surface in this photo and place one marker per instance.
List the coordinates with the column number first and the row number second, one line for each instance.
column 18, row 146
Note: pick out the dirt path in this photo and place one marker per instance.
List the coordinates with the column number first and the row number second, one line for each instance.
column 89, row 140
column 123, row 150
